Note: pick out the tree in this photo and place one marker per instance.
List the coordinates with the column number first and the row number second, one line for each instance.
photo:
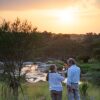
column 17, row 44
column 96, row 48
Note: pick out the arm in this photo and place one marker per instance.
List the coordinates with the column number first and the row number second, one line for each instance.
column 47, row 77
column 61, row 78
column 69, row 77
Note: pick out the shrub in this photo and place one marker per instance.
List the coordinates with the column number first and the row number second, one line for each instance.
column 83, row 88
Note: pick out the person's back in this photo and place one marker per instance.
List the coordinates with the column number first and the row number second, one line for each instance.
column 74, row 74
column 73, row 80
column 55, row 85
column 55, row 80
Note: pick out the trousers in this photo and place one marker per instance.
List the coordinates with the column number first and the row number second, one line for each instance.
column 73, row 94
column 56, row 95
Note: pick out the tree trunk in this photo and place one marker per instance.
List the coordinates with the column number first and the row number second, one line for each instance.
column 14, row 86
column 15, row 93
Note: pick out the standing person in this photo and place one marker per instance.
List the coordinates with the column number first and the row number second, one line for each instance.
column 55, row 83
column 73, row 78
column 65, row 69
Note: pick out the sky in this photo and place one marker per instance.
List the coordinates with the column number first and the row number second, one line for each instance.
column 57, row 16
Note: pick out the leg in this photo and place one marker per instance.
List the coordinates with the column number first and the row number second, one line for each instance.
column 59, row 95
column 76, row 92
column 70, row 94
column 53, row 95
column 77, row 95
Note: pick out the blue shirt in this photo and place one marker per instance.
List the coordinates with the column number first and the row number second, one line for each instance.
column 73, row 75
column 55, row 80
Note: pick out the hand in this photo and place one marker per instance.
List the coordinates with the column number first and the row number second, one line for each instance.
column 66, row 66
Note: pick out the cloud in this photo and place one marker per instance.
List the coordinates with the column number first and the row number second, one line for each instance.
column 34, row 4
column 89, row 3
column 45, row 4
column 97, row 2
column 17, row 4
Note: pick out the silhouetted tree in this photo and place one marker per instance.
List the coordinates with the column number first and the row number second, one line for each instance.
column 17, row 44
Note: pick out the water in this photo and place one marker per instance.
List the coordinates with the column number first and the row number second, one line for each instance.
column 33, row 74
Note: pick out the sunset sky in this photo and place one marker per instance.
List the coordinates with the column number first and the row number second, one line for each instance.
column 58, row 16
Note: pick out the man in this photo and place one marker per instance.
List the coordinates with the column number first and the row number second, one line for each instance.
column 73, row 78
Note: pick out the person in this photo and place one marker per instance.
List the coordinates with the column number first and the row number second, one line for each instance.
column 55, row 83
column 65, row 69
column 61, row 71
column 73, row 78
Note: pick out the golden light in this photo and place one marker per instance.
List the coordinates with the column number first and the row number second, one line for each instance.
column 67, row 16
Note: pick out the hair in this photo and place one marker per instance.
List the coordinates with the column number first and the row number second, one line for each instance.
column 71, row 61
column 52, row 68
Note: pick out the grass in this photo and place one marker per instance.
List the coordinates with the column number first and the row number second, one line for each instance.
column 37, row 91
column 40, row 90
column 94, row 91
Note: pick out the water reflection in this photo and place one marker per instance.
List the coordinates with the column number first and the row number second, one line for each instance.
column 33, row 74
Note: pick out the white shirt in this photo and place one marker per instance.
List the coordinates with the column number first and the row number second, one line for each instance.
column 55, row 80
column 73, row 75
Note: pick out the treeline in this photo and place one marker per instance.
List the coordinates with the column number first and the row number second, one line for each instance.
column 19, row 40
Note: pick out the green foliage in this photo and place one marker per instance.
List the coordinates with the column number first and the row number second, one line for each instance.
column 95, row 74
column 83, row 58
column 16, row 45
column 84, row 68
column 97, row 53
column 91, row 72
column 59, row 63
column 47, row 44
column 83, row 88
column 41, row 90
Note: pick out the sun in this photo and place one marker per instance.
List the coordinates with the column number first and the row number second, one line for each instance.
column 67, row 16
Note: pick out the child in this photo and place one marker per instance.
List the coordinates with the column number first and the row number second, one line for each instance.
column 55, row 83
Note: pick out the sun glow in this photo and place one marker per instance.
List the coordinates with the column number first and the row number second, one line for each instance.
column 68, row 16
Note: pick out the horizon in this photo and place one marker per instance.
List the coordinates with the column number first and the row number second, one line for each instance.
column 56, row 16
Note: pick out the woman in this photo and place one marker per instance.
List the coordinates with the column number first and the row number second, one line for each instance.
column 55, row 83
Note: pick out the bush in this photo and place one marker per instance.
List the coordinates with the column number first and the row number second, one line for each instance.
column 83, row 88
column 84, row 58
column 84, row 68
